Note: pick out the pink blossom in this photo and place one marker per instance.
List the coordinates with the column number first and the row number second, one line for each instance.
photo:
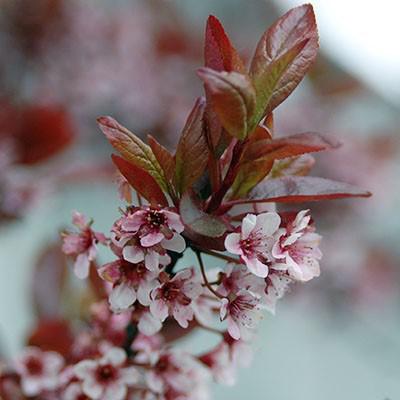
column 297, row 249
column 124, row 188
column 130, row 281
column 145, row 234
column 225, row 358
column 178, row 375
column 39, row 370
column 106, row 378
column 175, row 296
column 242, row 312
column 82, row 245
column 277, row 284
column 255, row 241
column 74, row 391
column 148, row 324
column 147, row 348
column 236, row 277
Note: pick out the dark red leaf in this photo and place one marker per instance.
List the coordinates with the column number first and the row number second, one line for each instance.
column 260, row 155
column 192, row 151
column 219, row 53
column 292, row 189
column 52, row 335
column 289, row 146
column 163, row 156
column 232, row 98
column 132, row 149
column 42, row 132
column 283, row 56
column 141, row 181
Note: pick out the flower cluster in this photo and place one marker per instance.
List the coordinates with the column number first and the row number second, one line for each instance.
column 204, row 199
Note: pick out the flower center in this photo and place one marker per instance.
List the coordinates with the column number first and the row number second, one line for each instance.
column 105, row 373
column 155, row 219
column 34, row 366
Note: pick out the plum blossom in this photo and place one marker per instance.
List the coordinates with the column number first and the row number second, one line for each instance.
column 242, row 312
column 175, row 296
column 39, row 370
column 130, row 281
column 146, row 233
column 74, row 391
column 297, row 249
column 82, row 245
column 177, row 375
column 254, row 242
column 277, row 284
column 226, row 357
column 106, row 378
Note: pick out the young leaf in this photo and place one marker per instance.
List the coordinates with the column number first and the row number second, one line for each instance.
column 132, row 148
column 283, row 56
column 219, row 53
column 293, row 189
column 141, row 181
column 300, row 166
column 232, row 97
column 192, row 153
column 260, row 155
column 163, row 156
column 198, row 221
column 289, row 146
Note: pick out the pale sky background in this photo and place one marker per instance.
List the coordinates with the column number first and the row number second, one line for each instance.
column 362, row 36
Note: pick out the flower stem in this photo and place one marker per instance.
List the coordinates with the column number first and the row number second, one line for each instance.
column 203, row 273
column 221, row 256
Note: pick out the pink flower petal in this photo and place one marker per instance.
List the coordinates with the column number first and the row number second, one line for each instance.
column 81, row 266
column 133, row 254
column 177, row 243
column 256, row 267
column 248, row 224
column 232, row 243
column 159, row 310
column 151, row 239
column 268, row 223
column 149, row 325
column 122, row 297
column 174, row 221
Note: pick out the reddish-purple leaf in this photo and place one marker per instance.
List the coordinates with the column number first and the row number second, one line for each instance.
column 192, row 153
column 232, row 98
column 289, row 146
column 300, row 166
column 141, row 181
column 260, row 155
column 293, row 189
column 283, row 56
column 163, row 156
column 219, row 53
column 132, row 149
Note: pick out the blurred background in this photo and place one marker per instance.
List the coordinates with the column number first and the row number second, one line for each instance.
column 65, row 62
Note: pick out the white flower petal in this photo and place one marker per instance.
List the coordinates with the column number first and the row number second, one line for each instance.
column 268, row 223
column 115, row 356
column 81, row 266
column 232, row 243
column 159, row 309
column 148, row 324
column 133, row 254
column 256, row 267
column 122, row 297
column 248, row 224
column 177, row 243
